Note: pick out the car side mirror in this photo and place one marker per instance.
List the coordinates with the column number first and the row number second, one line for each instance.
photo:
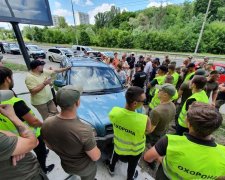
column 59, row 83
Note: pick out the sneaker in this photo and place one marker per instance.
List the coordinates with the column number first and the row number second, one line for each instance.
column 135, row 175
column 49, row 168
column 47, row 151
column 152, row 165
column 107, row 164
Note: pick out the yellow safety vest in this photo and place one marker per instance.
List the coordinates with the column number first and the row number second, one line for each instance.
column 7, row 125
column 129, row 131
column 200, row 97
column 160, row 80
column 188, row 160
column 188, row 76
column 175, row 78
column 156, row 101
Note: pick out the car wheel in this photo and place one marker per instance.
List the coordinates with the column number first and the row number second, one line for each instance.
column 50, row 59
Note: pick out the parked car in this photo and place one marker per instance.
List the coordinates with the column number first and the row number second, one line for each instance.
column 11, row 48
column 95, row 55
column 220, row 67
column 57, row 54
column 35, row 51
column 79, row 50
column 108, row 54
column 102, row 91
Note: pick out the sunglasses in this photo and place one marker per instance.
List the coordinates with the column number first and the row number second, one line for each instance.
column 142, row 101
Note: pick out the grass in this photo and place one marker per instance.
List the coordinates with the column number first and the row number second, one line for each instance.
column 15, row 67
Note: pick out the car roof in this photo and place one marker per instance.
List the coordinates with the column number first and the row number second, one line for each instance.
column 219, row 64
column 86, row 61
column 31, row 45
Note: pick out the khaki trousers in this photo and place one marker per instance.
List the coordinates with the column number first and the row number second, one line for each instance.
column 47, row 109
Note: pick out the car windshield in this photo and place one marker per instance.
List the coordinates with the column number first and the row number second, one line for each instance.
column 34, row 48
column 88, row 49
column 13, row 46
column 67, row 51
column 109, row 54
column 95, row 79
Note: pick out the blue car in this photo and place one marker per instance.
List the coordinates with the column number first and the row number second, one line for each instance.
column 102, row 90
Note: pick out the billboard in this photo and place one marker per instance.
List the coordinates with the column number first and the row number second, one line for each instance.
column 35, row 12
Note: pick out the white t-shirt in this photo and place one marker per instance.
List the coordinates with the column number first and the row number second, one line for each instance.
column 148, row 68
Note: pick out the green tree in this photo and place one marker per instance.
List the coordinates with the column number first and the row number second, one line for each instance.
column 201, row 6
column 84, row 39
column 221, row 13
column 62, row 22
column 100, row 20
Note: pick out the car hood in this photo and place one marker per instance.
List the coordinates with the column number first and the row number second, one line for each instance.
column 94, row 109
column 38, row 51
column 14, row 49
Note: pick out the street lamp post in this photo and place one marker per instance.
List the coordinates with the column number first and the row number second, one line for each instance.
column 202, row 29
column 74, row 21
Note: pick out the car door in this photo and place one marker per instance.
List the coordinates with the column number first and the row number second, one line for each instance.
column 57, row 55
column 221, row 70
column 6, row 48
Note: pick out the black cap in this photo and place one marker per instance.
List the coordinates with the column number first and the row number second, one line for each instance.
column 140, row 57
column 36, row 63
column 191, row 65
column 163, row 68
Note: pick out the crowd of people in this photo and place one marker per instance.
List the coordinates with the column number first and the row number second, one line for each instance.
column 173, row 94
column 168, row 92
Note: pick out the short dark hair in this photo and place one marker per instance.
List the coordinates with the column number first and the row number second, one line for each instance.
column 133, row 94
column 111, row 59
column 172, row 67
column 199, row 81
column 203, row 118
column 4, row 73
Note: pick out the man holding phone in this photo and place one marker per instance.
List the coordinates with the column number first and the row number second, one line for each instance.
column 38, row 82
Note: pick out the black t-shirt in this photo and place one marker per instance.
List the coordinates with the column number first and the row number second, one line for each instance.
column 189, row 102
column 161, row 147
column 21, row 109
column 154, row 82
column 142, row 63
column 131, row 61
column 221, row 96
column 139, row 79
column 152, row 74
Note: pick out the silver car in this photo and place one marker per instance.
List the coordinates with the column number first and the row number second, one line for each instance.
column 11, row 48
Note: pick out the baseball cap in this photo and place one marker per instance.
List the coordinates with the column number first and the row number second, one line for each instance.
column 214, row 72
column 140, row 57
column 200, row 72
column 191, row 65
column 5, row 95
column 163, row 68
column 132, row 53
column 68, row 95
column 167, row 88
column 36, row 63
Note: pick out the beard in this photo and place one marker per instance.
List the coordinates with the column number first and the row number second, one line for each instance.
column 11, row 85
